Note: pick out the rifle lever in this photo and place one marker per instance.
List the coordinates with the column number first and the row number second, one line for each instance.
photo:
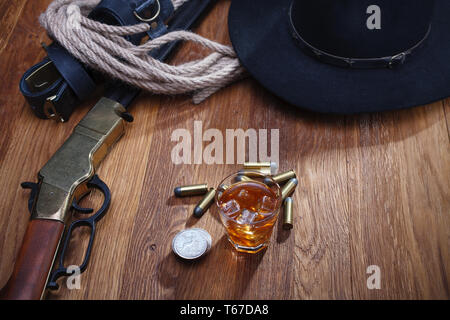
column 91, row 221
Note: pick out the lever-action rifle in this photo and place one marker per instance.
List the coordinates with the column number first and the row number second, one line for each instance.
column 70, row 174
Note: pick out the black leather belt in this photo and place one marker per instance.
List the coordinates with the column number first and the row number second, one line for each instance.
column 59, row 83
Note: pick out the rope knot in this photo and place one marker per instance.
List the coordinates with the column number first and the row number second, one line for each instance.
column 73, row 17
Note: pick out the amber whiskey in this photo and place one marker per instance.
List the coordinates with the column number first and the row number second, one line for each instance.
column 249, row 210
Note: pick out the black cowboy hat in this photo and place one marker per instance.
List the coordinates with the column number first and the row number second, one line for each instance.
column 346, row 56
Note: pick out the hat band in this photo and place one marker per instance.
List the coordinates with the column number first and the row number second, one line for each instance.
column 356, row 63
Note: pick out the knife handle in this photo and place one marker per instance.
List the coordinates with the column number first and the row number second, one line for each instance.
column 35, row 260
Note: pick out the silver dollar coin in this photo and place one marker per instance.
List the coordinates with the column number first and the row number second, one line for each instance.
column 206, row 235
column 191, row 243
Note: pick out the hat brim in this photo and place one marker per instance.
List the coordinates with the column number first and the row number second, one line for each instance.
column 261, row 36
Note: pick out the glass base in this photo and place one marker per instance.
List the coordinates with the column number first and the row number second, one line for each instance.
column 241, row 248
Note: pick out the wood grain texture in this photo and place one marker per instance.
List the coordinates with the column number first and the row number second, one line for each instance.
column 374, row 190
column 10, row 15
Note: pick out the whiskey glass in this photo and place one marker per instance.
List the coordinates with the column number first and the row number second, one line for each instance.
column 248, row 203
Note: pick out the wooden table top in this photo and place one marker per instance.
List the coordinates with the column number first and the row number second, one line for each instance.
column 373, row 189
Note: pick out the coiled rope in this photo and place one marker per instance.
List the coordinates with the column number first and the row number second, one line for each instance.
column 103, row 48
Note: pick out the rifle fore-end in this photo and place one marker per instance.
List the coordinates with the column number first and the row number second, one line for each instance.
column 64, row 176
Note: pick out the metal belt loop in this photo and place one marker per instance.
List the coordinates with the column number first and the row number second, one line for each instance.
column 159, row 11
column 149, row 19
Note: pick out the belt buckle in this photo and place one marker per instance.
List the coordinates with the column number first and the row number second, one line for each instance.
column 43, row 77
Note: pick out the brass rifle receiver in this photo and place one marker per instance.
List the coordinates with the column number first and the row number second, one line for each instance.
column 64, row 177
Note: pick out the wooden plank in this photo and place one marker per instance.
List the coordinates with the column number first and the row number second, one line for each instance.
column 15, row 59
column 322, row 236
column 19, row 129
column 10, row 11
column 399, row 203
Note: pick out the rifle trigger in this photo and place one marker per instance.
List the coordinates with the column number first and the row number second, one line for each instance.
column 76, row 207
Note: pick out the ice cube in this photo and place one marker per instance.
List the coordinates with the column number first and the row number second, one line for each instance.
column 246, row 217
column 231, row 208
column 266, row 204
column 243, row 194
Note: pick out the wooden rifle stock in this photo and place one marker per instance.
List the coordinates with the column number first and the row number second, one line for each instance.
column 34, row 261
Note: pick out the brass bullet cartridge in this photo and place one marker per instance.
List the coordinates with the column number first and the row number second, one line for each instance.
column 287, row 214
column 205, row 203
column 288, row 188
column 256, row 165
column 284, row 176
column 242, row 177
column 253, row 173
column 268, row 168
column 265, row 171
column 191, row 190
